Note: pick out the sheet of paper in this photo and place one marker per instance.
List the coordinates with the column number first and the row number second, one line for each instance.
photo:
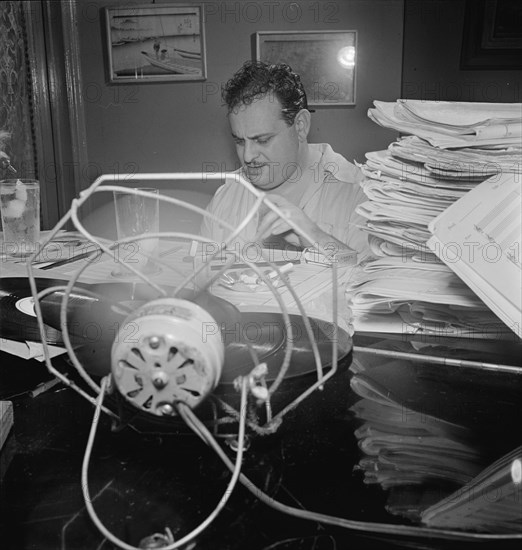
column 419, row 119
column 479, row 238
column 29, row 350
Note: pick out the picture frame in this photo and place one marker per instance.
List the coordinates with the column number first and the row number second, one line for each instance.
column 155, row 43
column 492, row 37
column 325, row 60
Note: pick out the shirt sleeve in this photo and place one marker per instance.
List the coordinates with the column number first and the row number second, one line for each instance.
column 333, row 209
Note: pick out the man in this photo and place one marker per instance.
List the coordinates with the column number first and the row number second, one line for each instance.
column 315, row 187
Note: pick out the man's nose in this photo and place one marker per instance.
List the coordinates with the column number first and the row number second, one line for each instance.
column 250, row 152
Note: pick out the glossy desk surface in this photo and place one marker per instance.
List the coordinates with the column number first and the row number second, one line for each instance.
column 141, row 482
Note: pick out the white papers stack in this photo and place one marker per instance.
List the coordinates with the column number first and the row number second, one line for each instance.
column 449, row 124
column 453, row 148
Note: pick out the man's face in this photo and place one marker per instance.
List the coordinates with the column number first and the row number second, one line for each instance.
column 265, row 144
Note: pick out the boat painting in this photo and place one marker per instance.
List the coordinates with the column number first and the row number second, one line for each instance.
column 171, row 65
column 155, row 43
column 188, row 55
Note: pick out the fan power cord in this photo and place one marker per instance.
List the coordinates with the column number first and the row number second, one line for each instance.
column 186, row 413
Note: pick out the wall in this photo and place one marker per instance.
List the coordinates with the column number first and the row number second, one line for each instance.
column 433, row 31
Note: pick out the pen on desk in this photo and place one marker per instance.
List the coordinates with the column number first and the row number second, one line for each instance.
column 90, row 252
column 170, row 251
column 70, row 260
column 43, row 387
column 258, row 264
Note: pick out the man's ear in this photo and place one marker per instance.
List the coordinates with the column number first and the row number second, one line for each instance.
column 302, row 123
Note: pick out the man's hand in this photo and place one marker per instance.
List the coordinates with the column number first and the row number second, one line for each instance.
column 272, row 224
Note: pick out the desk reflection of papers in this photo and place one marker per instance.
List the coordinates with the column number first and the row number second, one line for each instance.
column 441, row 438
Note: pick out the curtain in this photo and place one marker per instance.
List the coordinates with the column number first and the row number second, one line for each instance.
column 16, row 97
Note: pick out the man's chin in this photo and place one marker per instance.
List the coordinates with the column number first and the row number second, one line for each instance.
column 262, row 183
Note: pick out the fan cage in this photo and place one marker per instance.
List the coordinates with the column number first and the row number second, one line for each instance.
column 225, row 413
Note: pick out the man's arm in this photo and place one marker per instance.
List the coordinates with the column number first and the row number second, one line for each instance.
column 272, row 224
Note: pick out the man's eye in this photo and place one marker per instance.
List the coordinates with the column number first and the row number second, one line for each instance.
column 262, row 141
column 239, row 141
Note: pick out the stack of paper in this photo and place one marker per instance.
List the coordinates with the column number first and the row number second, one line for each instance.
column 449, row 124
column 454, row 147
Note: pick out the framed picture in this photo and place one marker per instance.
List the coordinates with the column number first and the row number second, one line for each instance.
column 155, row 43
column 325, row 60
column 492, row 36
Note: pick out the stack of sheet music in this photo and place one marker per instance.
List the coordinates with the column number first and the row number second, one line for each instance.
column 450, row 124
column 452, row 149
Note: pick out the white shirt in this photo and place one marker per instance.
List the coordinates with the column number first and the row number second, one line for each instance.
column 331, row 195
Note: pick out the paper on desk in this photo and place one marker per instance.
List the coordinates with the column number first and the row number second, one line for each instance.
column 488, row 129
column 463, row 162
column 479, row 239
column 29, row 350
column 402, row 197
column 64, row 246
column 384, row 291
column 385, row 162
column 313, row 286
column 399, row 294
column 460, row 117
column 102, row 268
column 395, row 239
column 405, row 182
column 374, row 210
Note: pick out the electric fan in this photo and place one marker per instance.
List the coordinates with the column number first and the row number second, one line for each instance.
column 187, row 367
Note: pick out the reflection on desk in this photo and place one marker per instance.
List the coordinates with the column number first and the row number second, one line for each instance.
column 142, row 482
column 428, row 430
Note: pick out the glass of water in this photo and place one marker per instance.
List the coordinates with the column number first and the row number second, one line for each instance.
column 20, row 212
column 137, row 216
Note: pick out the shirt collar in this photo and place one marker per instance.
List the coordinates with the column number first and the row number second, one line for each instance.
column 335, row 164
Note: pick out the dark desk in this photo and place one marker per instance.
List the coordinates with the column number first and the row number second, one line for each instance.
column 141, row 483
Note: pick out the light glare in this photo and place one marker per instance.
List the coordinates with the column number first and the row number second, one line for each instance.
column 346, row 57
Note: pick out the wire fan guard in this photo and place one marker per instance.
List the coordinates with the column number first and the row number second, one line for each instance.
column 170, row 374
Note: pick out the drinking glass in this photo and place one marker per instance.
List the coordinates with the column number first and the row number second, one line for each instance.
column 20, row 213
column 136, row 216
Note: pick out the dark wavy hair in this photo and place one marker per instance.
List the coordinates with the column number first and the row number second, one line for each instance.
column 256, row 79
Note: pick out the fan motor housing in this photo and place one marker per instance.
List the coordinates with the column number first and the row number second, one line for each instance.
column 164, row 353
